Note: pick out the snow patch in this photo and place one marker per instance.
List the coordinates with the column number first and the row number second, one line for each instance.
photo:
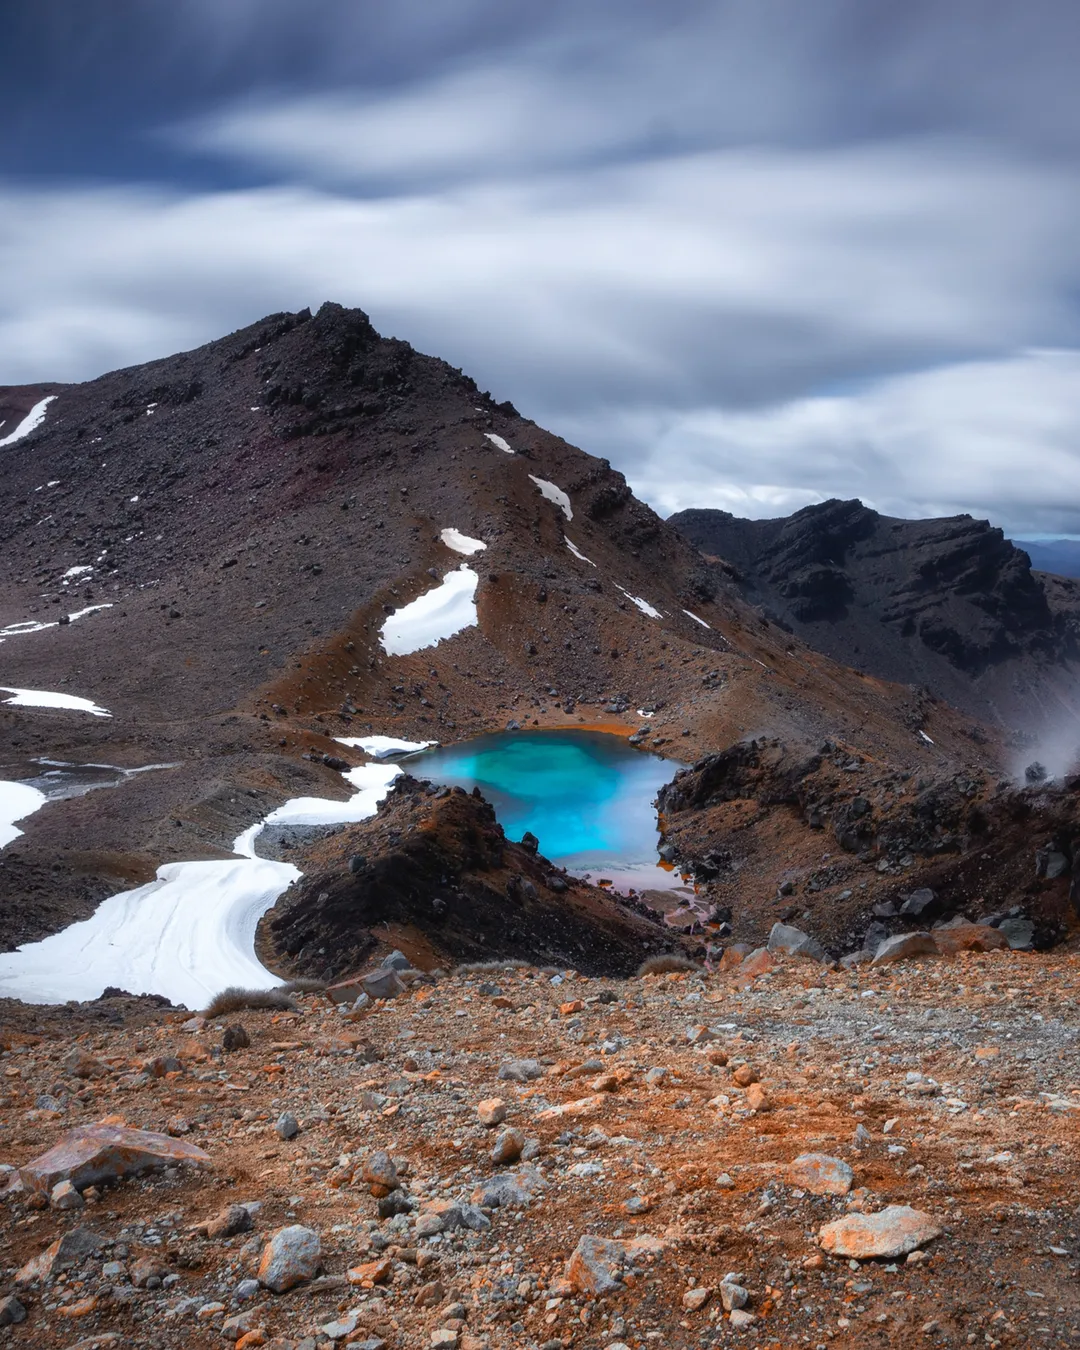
column 371, row 782
column 36, row 625
column 43, row 698
column 76, row 572
column 17, row 801
column 643, row 605
column 384, row 747
column 577, row 552
column 926, row 738
column 190, row 932
column 696, row 619
column 461, row 543
column 433, row 616
column 30, row 422
column 498, row 441
column 554, row 494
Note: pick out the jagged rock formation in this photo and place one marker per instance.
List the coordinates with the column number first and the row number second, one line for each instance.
column 950, row 603
column 434, row 874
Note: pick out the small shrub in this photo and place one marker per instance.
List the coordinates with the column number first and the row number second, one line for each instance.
column 666, row 962
column 302, row 986
column 486, row 967
column 235, row 999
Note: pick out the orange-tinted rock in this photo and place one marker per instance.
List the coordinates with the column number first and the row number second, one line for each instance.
column 891, row 1232
column 757, row 1099
column 64, row 1252
column 970, row 937
column 289, row 1258
column 597, row 1265
column 370, row 1273
column 93, row 1153
column 757, row 963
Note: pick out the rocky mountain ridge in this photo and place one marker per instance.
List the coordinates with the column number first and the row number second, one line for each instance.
column 950, row 604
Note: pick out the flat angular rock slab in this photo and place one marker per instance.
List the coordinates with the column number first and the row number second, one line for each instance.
column 94, row 1153
column 510, row 1190
column 903, row 946
column 65, row 1251
column 598, row 1265
column 892, row 1232
column 820, row 1174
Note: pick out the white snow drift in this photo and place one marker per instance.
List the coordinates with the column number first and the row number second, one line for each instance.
column 30, row 422
column 433, row 616
column 43, row 698
column 643, row 605
column 191, row 931
column 554, row 494
column 461, row 543
column 690, row 614
column 498, row 442
column 17, row 801
column 384, row 747
column 577, row 552
column 38, row 626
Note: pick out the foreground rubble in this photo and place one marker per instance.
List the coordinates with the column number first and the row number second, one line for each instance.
column 515, row 1158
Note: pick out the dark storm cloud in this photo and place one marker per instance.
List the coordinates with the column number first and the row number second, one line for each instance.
column 795, row 250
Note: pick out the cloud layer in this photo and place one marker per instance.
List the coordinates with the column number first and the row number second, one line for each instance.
column 756, row 255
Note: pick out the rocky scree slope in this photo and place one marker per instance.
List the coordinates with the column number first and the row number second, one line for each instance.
column 950, row 604
column 506, row 1160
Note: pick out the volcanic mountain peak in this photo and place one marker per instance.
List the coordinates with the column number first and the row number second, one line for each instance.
column 949, row 603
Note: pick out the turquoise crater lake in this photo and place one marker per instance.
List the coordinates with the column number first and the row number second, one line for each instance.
column 588, row 797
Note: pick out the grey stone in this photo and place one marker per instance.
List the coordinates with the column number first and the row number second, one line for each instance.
column 509, row 1189
column 289, row 1258
column 918, row 903
column 287, row 1126
column 11, row 1311
column 903, row 946
column 520, row 1070
column 1019, row 933
column 383, row 983
column 794, row 942
column 397, row 961
column 65, row 1196
column 508, row 1146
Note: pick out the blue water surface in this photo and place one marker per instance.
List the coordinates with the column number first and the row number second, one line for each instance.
column 588, row 797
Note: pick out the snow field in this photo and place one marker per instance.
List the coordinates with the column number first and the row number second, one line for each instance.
column 191, row 931
column 498, row 442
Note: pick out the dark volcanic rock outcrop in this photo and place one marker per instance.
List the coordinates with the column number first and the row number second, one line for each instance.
column 433, row 873
column 949, row 603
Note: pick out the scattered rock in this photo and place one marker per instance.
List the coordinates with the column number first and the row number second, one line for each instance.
column 65, row 1251
column 11, row 1311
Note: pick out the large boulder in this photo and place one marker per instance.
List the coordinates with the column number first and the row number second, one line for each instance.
column 94, row 1153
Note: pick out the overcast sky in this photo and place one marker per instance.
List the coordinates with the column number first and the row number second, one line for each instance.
column 757, row 253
